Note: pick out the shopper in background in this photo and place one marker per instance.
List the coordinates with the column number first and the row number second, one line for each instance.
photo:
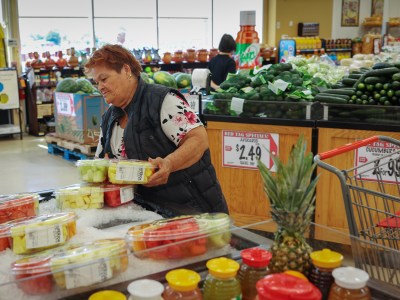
column 153, row 122
column 223, row 63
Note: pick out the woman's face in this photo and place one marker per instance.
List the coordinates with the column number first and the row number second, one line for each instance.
column 111, row 84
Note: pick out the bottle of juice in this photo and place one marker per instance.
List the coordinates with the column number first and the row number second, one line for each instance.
column 350, row 284
column 254, row 267
column 323, row 263
column 247, row 42
column 221, row 282
column 182, row 285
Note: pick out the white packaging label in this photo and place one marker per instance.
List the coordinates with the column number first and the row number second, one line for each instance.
column 126, row 194
column 193, row 101
column 88, row 275
column 38, row 237
column 130, row 173
column 237, row 105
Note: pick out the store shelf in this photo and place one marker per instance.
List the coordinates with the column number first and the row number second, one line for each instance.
column 339, row 50
column 177, row 66
column 9, row 129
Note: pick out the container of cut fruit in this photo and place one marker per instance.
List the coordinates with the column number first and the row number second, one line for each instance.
column 89, row 263
column 180, row 237
column 34, row 234
column 130, row 171
column 18, row 206
column 71, row 266
column 118, row 194
column 93, row 170
column 80, row 196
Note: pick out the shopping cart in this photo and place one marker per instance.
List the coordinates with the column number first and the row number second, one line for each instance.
column 371, row 194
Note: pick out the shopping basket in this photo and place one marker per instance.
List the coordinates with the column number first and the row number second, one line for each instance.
column 371, row 194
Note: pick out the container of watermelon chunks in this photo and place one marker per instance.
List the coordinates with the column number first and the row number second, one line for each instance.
column 13, row 207
column 180, row 237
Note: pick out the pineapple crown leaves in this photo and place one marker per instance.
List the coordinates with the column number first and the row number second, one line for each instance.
column 290, row 189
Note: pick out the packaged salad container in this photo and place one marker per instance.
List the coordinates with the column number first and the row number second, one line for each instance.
column 116, row 195
column 18, row 206
column 130, row 171
column 33, row 274
column 80, row 196
column 93, row 170
column 180, row 237
column 89, row 264
column 35, row 234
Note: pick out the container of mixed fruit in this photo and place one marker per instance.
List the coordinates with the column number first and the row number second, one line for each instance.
column 93, row 170
column 80, row 196
column 179, row 237
column 130, row 171
column 70, row 266
column 18, row 206
column 34, row 234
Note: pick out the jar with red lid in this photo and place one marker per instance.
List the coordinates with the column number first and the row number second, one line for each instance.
column 202, row 55
column 254, row 267
column 38, row 268
column 167, row 58
column 283, row 286
column 178, row 56
column 190, row 55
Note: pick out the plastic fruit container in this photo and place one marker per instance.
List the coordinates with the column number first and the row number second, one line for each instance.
column 93, row 170
column 4, row 237
column 116, row 195
column 89, row 263
column 35, row 234
column 204, row 231
column 130, row 171
column 18, row 206
column 80, row 196
column 33, row 274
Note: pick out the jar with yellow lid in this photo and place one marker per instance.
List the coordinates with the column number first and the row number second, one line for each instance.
column 107, row 295
column 182, row 285
column 221, row 282
column 323, row 263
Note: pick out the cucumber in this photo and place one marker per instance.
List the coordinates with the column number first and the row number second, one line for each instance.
column 339, row 85
column 364, row 69
column 350, row 81
column 346, row 97
column 330, row 99
column 396, row 77
column 360, row 80
column 354, row 76
column 374, row 80
column 368, row 112
column 383, row 72
column 382, row 65
column 348, row 92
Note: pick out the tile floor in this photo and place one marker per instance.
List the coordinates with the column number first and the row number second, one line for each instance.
column 27, row 167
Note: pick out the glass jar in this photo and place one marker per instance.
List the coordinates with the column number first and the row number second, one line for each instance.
column 221, row 282
column 213, row 52
column 167, row 58
column 202, row 55
column 178, row 56
column 286, row 286
column 145, row 289
column 182, row 285
column 350, row 284
column 254, row 267
column 323, row 263
column 190, row 55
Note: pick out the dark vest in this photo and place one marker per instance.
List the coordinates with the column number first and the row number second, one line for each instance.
column 192, row 190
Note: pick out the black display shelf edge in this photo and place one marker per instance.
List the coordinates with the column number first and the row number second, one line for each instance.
column 357, row 126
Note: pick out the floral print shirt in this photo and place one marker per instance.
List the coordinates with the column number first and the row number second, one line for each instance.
column 177, row 119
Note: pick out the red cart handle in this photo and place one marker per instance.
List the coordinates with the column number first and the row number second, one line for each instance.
column 348, row 147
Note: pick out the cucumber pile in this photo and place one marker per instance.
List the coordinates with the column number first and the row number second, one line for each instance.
column 377, row 86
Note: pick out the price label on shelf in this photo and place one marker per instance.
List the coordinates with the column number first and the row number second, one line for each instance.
column 378, row 160
column 241, row 149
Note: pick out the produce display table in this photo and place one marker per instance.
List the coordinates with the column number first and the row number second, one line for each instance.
column 243, row 188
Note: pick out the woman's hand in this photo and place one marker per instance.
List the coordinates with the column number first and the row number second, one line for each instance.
column 160, row 177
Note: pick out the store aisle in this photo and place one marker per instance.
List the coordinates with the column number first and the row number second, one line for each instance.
column 27, row 167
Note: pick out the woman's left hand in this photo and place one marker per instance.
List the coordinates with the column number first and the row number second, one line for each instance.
column 160, row 177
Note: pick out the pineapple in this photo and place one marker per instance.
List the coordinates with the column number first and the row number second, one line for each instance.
column 291, row 196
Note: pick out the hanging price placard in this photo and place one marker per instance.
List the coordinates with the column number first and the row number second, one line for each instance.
column 241, row 149
column 386, row 165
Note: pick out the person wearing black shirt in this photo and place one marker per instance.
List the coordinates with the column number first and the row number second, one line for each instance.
column 223, row 63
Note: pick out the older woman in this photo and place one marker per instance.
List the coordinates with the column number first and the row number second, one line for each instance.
column 153, row 122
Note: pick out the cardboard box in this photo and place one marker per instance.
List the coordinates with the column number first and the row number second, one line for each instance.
column 78, row 116
column 44, row 110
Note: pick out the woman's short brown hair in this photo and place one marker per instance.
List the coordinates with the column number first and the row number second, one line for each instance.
column 114, row 57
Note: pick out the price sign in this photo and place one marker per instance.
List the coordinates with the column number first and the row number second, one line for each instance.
column 65, row 104
column 384, row 158
column 194, row 102
column 43, row 237
column 241, row 149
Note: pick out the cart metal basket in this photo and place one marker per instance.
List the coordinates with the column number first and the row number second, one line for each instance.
column 371, row 194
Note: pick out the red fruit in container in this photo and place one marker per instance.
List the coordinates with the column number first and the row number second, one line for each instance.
column 116, row 195
column 18, row 206
column 36, row 267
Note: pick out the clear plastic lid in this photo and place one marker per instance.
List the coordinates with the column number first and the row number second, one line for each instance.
column 17, row 206
column 130, row 171
column 98, row 162
column 93, row 170
column 118, row 194
column 31, row 265
column 350, row 278
column 83, row 196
